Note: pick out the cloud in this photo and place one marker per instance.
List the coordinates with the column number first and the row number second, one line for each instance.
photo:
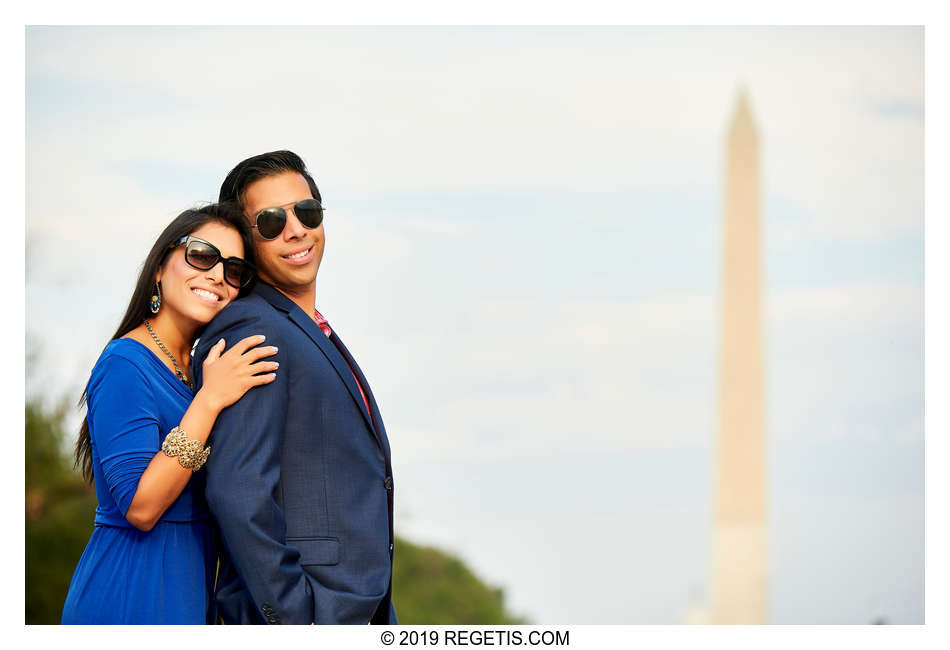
column 846, row 363
column 502, row 109
column 642, row 374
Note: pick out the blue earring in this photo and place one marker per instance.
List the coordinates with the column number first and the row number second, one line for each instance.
column 156, row 299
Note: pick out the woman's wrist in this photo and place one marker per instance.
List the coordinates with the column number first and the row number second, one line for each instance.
column 206, row 402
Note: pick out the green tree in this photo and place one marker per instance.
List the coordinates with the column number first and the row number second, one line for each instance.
column 431, row 587
column 59, row 515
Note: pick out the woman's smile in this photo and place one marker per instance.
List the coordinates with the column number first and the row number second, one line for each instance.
column 206, row 295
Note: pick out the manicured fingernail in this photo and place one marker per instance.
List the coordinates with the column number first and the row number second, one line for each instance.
column 274, row 349
column 276, row 364
column 221, row 341
column 262, row 337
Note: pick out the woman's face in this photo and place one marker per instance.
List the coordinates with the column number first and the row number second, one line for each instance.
column 194, row 295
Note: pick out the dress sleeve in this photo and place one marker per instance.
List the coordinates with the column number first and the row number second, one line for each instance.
column 123, row 423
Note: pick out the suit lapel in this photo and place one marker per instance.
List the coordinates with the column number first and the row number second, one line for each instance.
column 378, row 429
column 311, row 329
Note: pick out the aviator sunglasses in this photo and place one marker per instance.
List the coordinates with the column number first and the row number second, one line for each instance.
column 271, row 222
column 203, row 256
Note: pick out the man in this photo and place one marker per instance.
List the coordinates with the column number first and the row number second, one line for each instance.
column 299, row 476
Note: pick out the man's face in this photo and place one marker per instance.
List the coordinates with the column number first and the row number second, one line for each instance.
column 289, row 261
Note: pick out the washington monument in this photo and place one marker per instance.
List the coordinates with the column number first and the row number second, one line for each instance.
column 740, row 557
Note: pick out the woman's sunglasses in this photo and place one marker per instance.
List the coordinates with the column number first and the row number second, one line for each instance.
column 271, row 222
column 203, row 256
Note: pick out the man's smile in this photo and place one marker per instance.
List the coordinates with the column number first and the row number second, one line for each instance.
column 300, row 257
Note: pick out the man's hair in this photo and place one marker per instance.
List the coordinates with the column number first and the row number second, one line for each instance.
column 262, row 166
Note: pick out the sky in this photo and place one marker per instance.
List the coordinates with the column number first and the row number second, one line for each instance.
column 524, row 255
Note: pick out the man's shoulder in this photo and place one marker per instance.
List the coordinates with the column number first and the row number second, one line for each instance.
column 250, row 306
column 242, row 315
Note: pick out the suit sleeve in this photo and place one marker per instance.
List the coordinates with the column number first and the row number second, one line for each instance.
column 243, row 479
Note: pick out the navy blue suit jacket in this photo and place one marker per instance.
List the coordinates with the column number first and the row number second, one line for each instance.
column 299, row 478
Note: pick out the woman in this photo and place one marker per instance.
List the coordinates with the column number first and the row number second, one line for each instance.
column 150, row 558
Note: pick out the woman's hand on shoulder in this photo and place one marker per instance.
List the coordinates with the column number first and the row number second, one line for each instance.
column 226, row 377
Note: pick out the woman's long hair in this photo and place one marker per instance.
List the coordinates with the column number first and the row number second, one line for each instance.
column 138, row 310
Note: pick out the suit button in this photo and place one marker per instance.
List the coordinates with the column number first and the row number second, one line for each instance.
column 388, row 483
column 390, row 548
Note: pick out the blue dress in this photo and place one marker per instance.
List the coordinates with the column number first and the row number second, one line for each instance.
column 125, row 575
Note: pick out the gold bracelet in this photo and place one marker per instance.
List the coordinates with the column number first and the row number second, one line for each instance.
column 189, row 452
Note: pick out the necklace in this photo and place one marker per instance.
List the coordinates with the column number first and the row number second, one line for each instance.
column 181, row 375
